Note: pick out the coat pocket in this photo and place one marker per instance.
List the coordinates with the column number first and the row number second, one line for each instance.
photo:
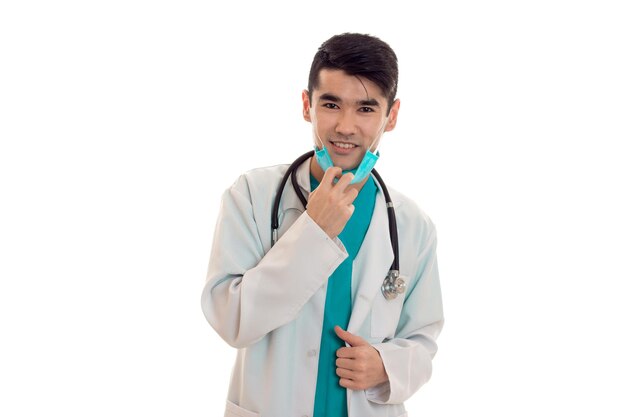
column 233, row 410
column 385, row 317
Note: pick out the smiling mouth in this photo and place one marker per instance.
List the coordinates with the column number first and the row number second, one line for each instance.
column 344, row 145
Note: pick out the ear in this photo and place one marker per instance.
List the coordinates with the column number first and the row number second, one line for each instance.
column 393, row 115
column 306, row 106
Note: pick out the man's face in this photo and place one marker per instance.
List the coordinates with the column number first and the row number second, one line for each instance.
column 348, row 114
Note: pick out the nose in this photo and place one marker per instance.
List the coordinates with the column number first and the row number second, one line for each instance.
column 346, row 124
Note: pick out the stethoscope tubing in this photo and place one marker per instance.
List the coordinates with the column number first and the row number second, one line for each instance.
column 290, row 173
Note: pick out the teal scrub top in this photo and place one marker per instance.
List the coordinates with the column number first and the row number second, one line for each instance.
column 330, row 397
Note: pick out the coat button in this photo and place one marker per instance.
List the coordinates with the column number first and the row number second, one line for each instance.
column 311, row 353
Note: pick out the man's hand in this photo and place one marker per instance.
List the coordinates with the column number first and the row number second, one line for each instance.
column 330, row 205
column 360, row 366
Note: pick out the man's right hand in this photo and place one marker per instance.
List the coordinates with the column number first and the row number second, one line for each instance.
column 330, row 205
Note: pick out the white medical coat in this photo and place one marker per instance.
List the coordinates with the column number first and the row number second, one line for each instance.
column 268, row 302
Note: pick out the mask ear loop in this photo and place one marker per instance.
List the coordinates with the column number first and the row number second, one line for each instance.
column 321, row 154
column 369, row 159
column 316, row 136
column 379, row 136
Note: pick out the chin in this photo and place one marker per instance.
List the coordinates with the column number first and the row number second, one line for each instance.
column 345, row 164
column 348, row 167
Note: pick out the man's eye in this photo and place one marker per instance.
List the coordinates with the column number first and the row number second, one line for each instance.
column 330, row 105
column 367, row 109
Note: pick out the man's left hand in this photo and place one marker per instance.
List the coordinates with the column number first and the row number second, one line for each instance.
column 360, row 366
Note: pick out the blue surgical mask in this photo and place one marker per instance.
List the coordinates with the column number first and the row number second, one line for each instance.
column 362, row 171
column 365, row 167
column 323, row 158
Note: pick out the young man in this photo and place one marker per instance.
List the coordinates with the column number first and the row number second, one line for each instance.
column 317, row 332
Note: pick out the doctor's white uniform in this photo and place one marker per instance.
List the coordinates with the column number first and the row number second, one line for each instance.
column 268, row 302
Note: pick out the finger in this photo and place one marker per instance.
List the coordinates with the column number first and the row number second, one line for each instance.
column 330, row 174
column 345, row 382
column 345, row 373
column 346, row 363
column 346, row 353
column 344, row 181
column 350, row 195
column 350, row 384
column 351, row 339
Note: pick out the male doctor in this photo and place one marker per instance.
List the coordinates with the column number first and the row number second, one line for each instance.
column 315, row 334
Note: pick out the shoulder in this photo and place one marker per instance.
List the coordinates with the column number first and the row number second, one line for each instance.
column 259, row 180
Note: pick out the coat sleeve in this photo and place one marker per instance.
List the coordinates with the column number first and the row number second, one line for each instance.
column 249, row 293
column 408, row 356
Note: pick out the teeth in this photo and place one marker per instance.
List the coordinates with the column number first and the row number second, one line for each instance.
column 344, row 145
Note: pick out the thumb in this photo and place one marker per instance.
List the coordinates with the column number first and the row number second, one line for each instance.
column 351, row 339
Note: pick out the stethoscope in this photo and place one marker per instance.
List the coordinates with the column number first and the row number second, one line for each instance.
column 393, row 284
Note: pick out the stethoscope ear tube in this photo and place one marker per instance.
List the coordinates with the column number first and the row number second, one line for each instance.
column 393, row 285
column 281, row 188
column 393, row 226
column 296, row 187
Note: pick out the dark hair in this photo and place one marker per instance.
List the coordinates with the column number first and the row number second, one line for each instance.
column 360, row 55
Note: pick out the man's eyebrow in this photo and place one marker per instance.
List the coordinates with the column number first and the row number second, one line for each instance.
column 330, row 97
column 372, row 102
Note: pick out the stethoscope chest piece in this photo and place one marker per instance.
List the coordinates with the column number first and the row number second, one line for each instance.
column 393, row 285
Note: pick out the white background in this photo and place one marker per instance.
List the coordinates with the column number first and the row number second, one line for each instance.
column 122, row 122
